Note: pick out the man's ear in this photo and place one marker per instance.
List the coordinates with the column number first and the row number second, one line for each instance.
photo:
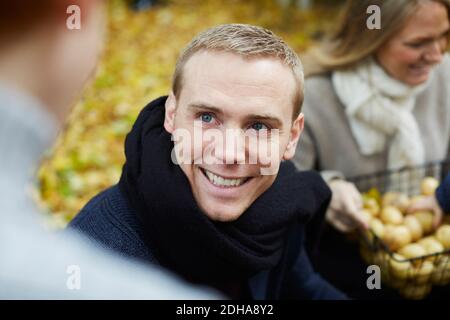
column 169, row 120
column 296, row 131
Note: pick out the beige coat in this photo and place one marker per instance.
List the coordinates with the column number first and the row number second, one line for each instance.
column 327, row 143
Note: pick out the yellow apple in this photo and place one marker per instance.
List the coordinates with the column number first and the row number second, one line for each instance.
column 429, row 186
column 414, row 226
column 422, row 273
column 432, row 245
column 413, row 250
column 391, row 215
column 426, row 220
column 372, row 206
column 443, row 235
column 399, row 200
column 399, row 267
column 377, row 227
column 396, row 237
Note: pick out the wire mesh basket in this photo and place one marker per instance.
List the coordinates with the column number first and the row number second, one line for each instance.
column 405, row 180
column 413, row 277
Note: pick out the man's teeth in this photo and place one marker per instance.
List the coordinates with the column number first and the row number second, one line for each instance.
column 222, row 182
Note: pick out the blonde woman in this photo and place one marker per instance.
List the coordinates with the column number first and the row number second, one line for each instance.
column 375, row 99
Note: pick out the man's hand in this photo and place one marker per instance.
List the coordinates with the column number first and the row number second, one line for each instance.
column 344, row 212
column 428, row 203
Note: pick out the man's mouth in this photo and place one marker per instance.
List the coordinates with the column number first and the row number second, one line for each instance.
column 224, row 182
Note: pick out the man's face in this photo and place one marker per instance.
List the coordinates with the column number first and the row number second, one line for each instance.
column 225, row 93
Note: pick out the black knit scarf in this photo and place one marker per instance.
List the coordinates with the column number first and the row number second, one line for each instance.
column 186, row 241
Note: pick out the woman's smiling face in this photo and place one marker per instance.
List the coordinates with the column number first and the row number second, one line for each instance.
column 226, row 93
column 412, row 52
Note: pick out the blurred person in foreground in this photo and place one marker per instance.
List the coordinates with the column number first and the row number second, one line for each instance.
column 197, row 195
column 377, row 99
column 43, row 67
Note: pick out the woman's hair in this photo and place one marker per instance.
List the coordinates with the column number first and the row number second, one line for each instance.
column 352, row 41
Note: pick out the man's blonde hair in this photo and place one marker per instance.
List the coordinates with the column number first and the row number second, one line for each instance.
column 244, row 40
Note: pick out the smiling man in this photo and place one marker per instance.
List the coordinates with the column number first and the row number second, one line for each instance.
column 207, row 190
column 237, row 95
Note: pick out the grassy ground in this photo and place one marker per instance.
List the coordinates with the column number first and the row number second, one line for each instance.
column 138, row 61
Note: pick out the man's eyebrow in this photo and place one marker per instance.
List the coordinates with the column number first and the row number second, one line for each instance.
column 266, row 117
column 252, row 117
column 206, row 107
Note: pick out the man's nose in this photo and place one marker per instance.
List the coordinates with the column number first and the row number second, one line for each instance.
column 233, row 147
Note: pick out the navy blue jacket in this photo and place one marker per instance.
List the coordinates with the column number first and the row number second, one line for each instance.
column 443, row 194
column 109, row 219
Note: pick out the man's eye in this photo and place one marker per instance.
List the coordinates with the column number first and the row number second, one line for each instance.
column 206, row 117
column 258, row 126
